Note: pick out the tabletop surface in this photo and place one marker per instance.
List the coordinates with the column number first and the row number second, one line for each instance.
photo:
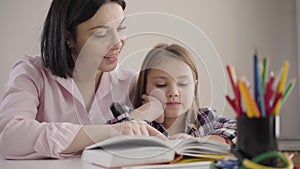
column 74, row 163
column 67, row 163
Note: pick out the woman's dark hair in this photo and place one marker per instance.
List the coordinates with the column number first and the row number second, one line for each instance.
column 64, row 16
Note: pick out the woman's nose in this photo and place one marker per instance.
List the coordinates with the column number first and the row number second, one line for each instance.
column 116, row 42
column 118, row 45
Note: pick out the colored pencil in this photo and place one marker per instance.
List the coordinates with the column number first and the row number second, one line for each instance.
column 252, row 109
column 281, row 85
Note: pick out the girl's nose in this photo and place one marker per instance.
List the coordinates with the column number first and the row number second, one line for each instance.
column 173, row 91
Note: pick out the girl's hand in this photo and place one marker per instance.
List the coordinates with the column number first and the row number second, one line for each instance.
column 151, row 110
column 156, row 99
column 218, row 138
column 155, row 102
column 155, row 94
column 145, row 98
column 135, row 128
column 181, row 136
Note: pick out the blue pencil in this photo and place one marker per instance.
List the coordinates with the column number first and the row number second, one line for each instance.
column 256, row 72
column 261, row 95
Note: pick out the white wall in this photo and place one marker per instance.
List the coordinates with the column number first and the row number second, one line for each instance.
column 21, row 24
column 234, row 27
column 298, row 37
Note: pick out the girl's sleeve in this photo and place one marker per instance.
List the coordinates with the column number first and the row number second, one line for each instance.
column 21, row 136
column 218, row 125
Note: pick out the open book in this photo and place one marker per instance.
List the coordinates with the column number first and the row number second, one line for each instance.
column 122, row 151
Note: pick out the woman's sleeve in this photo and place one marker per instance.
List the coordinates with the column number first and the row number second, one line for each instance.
column 21, row 136
column 218, row 125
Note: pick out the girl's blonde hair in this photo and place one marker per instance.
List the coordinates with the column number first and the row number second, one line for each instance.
column 156, row 56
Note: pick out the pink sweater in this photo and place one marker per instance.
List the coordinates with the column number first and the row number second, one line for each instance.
column 40, row 113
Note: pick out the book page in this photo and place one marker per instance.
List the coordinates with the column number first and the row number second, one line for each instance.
column 198, row 146
column 122, row 142
column 181, row 146
column 123, row 150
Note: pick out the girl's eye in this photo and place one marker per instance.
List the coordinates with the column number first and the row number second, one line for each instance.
column 160, row 85
column 182, row 84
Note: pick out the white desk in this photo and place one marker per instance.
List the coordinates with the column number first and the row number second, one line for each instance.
column 68, row 163
column 76, row 163
column 72, row 163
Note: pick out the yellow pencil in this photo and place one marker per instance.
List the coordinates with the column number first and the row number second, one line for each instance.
column 252, row 109
column 281, row 85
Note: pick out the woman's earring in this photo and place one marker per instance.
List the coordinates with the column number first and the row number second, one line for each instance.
column 69, row 44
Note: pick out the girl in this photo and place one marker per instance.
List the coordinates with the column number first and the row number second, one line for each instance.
column 168, row 74
column 57, row 104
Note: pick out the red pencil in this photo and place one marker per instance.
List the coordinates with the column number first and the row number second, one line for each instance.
column 231, row 102
column 276, row 100
column 237, row 100
column 269, row 92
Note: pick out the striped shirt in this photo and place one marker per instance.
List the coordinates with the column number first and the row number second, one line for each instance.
column 210, row 123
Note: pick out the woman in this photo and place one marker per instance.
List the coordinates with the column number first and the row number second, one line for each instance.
column 169, row 79
column 57, row 104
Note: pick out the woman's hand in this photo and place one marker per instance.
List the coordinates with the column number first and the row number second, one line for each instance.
column 135, row 128
column 91, row 134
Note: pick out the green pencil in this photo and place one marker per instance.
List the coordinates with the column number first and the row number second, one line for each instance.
column 265, row 73
column 288, row 90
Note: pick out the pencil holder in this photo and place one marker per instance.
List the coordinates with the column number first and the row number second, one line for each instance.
column 256, row 135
